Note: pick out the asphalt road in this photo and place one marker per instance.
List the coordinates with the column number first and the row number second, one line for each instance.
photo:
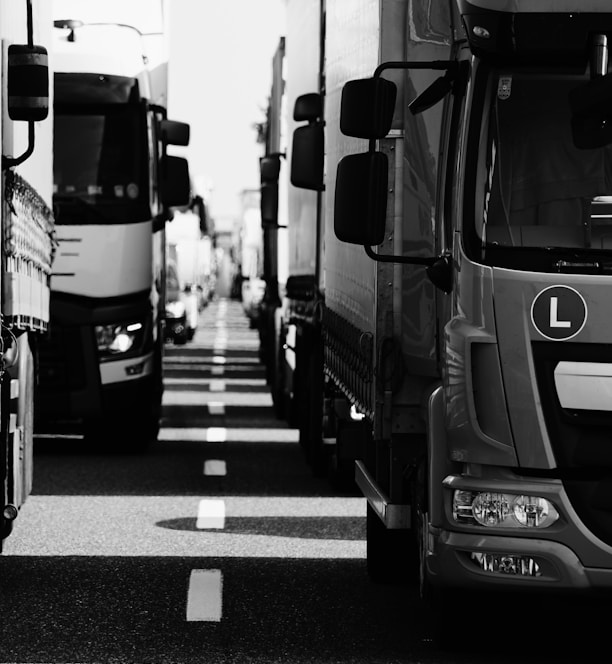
column 218, row 546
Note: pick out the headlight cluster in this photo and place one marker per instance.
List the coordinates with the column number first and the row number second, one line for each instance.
column 119, row 337
column 175, row 309
column 503, row 510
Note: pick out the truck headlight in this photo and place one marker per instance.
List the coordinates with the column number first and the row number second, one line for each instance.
column 175, row 309
column 503, row 510
column 118, row 338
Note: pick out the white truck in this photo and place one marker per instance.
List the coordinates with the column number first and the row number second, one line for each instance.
column 114, row 187
column 464, row 361
column 28, row 246
column 191, row 249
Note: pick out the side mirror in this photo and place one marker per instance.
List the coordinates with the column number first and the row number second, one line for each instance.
column 176, row 184
column 366, row 107
column 175, row 133
column 269, row 168
column 27, row 83
column 360, row 205
column 308, row 107
column 307, row 157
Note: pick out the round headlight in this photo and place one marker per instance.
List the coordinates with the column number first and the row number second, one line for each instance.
column 532, row 511
column 491, row 509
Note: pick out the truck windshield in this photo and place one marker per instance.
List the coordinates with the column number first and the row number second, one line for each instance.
column 541, row 202
column 100, row 157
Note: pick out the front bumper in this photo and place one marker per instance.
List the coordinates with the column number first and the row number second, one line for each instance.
column 449, row 564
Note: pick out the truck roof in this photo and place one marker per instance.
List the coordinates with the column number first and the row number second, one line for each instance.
column 102, row 48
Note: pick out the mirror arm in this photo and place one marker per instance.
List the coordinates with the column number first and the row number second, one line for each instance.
column 389, row 258
column 438, row 268
column 448, row 65
column 7, row 162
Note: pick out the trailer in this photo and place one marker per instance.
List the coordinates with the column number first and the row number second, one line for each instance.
column 115, row 185
column 28, row 238
column 458, row 357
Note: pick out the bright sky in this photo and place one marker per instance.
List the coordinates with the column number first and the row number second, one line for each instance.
column 219, row 80
column 220, row 75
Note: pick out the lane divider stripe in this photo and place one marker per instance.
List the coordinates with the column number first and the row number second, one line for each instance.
column 211, row 515
column 215, row 468
column 216, row 435
column 216, row 408
column 205, row 595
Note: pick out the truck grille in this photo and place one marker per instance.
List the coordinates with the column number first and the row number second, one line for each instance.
column 581, row 439
column 59, row 367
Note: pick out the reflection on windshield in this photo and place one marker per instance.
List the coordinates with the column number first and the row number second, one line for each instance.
column 98, row 165
column 541, row 190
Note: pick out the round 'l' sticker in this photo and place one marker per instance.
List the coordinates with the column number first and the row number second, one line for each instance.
column 558, row 312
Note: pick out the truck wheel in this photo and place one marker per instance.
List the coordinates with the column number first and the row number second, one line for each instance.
column 439, row 605
column 311, row 420
column 392, row 555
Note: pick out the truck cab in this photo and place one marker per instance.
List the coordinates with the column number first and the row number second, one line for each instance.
column 499, row 409
column 114, row 187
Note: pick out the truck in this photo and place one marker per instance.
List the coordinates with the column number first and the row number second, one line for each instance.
column 191, row 251
column 115, row 187
column 274, row 199
column 248, row 255
column 457, row 158
column 28, row 240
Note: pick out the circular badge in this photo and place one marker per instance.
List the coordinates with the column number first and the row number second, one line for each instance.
column 558, row 313
column 132, row 190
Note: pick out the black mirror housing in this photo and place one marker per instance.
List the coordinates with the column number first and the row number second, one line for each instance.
column 269, row 204
column 176, row 184
column 307, row 158
column 27, row 83
column 360, row 205
column 269, row 168
column 175, row 133
column 367, row 107
column 308, row 107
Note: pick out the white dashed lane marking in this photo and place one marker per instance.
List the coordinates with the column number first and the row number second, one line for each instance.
column 205, row 595
column 211, row 514
column 216, row 435
column 215, row 467
column 216, row 408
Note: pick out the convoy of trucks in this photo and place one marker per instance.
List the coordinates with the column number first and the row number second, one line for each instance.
column 28, row 244
column 190, row 282
column 115, row 185
column 444, row 324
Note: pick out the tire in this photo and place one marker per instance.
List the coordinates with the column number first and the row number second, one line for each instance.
column 392, row 555
column 311, row 417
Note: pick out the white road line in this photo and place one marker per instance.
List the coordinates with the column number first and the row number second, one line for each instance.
column 205, row 595
column 215, row 467
column 211, row 514
column 216, row 435
column 219, row 359
column 217, row 370
column 217, row 386
column 216, row 408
